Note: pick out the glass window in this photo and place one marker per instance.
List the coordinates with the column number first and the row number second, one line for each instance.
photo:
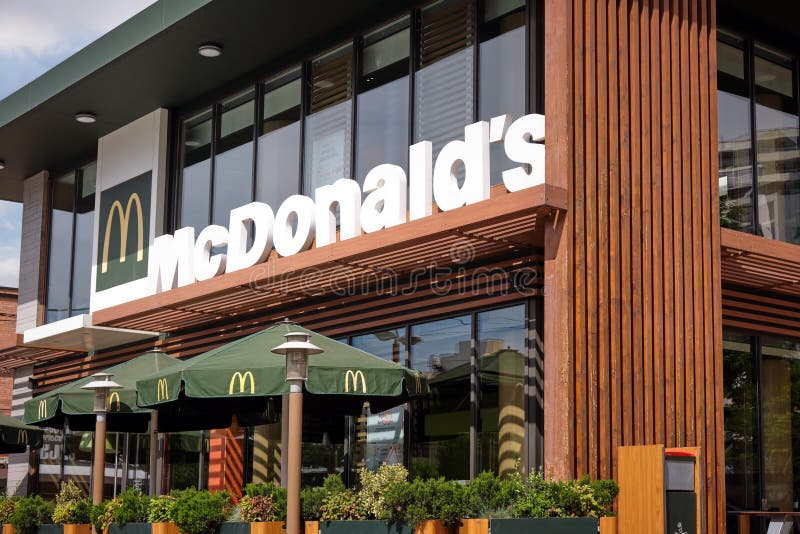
column 441, row 423
column 328, row 133
column 196, row 177
column 501, row 72
column 59, row 270
column 382, row 130
column 443, row 85
column 741, row 422
column 501, row 372
column 278, row 167
column 84, row 234
column 735, row 145
column 777, row 150
column 233, row 162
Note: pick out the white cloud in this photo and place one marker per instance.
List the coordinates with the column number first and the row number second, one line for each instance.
column 9, row 266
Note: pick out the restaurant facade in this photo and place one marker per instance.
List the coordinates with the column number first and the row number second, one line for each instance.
column 580, row 220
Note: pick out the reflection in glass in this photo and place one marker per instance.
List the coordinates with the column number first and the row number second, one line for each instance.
column 741, row 424
column 441, row 423
column 323, row 447
column 735, row 154
column 382, row 131
column 233, row 163
column 780, row 387
column 59, row 263
column 778, row 153
column 443, row 92
column 501, row 74
column 328, row 135
column 196, row 177
column 182, row 463
column 84, row 225
column 278, row 167
column 382, row 435
column 50, row 455
column 501, row 371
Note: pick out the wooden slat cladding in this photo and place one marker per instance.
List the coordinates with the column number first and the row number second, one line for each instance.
column 455, row 289
column 642, row 317
column 760, row 313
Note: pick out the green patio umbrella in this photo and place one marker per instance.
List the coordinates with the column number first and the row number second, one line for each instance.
column 244, row 374
column 16, row 437
column 74, row 405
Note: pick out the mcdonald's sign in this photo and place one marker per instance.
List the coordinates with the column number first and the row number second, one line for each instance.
column 111, row 398
column 42, row 414
column 22, row 436
column 162, row 393
column 123, row 239
column 243, row 378
column 354, row 377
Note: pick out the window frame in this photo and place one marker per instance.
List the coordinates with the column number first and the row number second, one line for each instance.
column 534, row 93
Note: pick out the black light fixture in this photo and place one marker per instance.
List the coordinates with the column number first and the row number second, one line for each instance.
column 84, row 117
column 210, row 50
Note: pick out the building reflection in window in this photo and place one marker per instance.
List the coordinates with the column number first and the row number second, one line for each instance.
column 233, row 162
column 196, row 178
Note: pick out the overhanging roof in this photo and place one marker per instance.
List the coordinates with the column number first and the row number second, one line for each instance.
column 760, row 264
column 151, row 61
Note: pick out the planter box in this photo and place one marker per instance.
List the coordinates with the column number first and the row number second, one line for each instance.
column 64, row 529
column 473, row 526
column 50, row 529
column 268, row 527
column 230, row 527
column 165, row 528
column 550, row 525
column 8, row 529
column 363, row 527
column 311, row 527
column 130, row 528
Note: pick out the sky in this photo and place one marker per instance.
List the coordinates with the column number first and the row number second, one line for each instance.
column 36, row 35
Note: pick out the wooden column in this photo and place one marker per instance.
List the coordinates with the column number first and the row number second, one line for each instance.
column 632, row 281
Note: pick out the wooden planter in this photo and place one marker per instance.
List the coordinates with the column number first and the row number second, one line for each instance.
column 433, row 526
column 551, row 525
column 473, row 526
column 361, row 527
column 311, row 527
column 268, row 527
column 8, row 529
column 231, row 527
column 130, row 528
column 165, row 528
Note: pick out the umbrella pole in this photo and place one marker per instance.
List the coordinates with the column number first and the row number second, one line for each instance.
column 294, row 453
column 154, row 490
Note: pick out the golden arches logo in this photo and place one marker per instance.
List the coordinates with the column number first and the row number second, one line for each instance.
column 418, row 381
column 354, row 377
column 243, row 378
column 111, row 398
column 124, row 220
column 42, row 409
column 162, row 392
column 22, row 436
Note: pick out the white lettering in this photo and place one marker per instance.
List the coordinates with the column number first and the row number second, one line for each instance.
column 473, row 154
column 170, row 262
column 300, row 210
column 385, row 205
column 346, row 195
column 206, row 264
column 524, row 144
column 260, row 216
column 420, row 194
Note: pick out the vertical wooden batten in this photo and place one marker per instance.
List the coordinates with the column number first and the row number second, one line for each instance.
column 633, row 305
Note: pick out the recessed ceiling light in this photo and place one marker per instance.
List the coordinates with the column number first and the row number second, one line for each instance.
column 85, row 118
column 209, row 50
column 2, row 164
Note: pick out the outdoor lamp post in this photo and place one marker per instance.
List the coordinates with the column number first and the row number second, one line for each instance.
column 100, row 385
column 296, row 348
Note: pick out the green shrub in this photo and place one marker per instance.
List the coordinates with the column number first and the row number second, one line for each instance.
column 544, row 497
column 72, row 507
column 29, row 513
column 277, row 493
column 373, row 485
column 312, row 499
column 6, row 509
column 491, row 496
column 258, row 508
column 199, row 512
column 130, row 506
column 419, row 500
column 159, row 509
column 98, row 516
column 342, row 506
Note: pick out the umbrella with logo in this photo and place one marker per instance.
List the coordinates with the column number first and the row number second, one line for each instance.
column 16, row 437
column 72, row 404
column 244, row 373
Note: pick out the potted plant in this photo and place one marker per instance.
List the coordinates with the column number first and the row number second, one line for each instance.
column 262, row 513
column 200, row 512
column 72, row 511
column 432, row 506
column 127, row 513
column 159, row 513
column 30, row 513
column 6, row 509
column 312, row 499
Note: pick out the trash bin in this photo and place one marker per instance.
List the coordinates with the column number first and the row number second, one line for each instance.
column 681, row 496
